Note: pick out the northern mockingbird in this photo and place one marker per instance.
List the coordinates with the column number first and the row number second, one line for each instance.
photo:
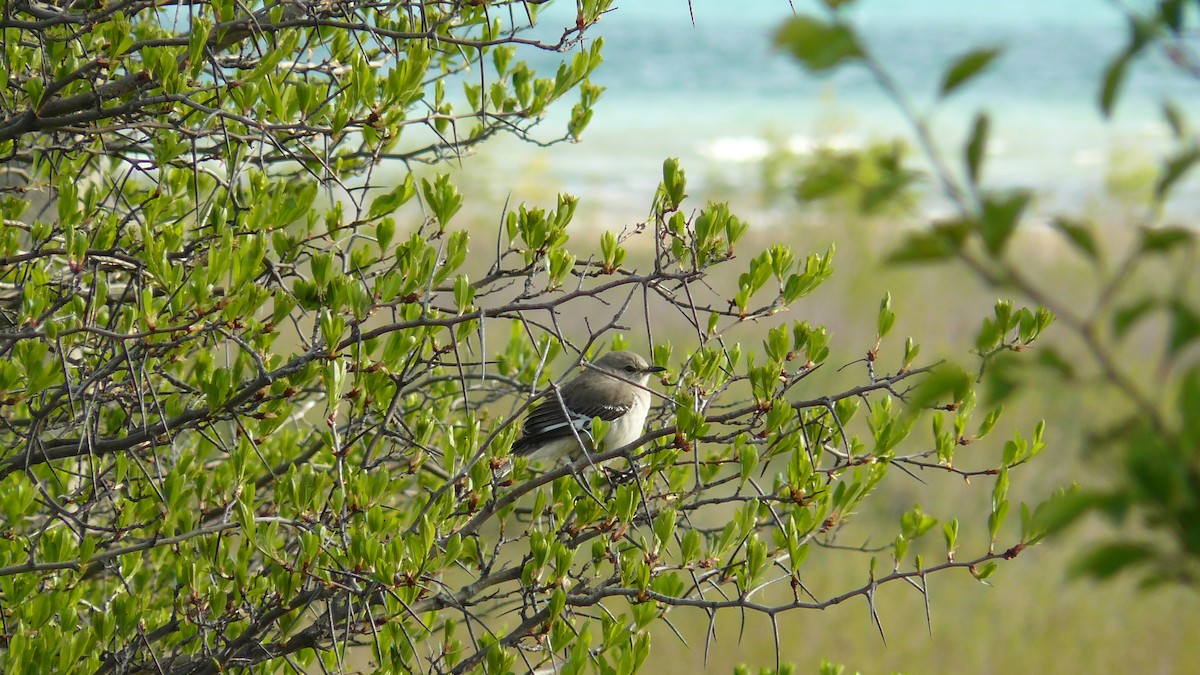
column 613, row 389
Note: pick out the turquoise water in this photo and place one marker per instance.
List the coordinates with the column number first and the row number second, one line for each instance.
column 714, row 93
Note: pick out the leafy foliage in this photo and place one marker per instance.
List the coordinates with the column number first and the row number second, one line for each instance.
column 254, row 417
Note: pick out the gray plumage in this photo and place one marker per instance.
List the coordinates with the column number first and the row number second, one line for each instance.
column 613, row 390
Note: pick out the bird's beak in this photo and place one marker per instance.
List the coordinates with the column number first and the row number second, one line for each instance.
column 655, row 369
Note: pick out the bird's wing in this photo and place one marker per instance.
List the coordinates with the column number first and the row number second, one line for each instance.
column 547, row 422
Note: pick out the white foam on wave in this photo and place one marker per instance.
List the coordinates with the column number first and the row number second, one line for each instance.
column 806, row 145
column 736, row 149
column 802, row 145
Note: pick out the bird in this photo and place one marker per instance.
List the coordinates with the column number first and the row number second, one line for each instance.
column 613, row 389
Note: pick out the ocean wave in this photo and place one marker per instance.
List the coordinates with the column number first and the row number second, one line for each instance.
column 807, row 145
column 743, row 149
column 736, row 149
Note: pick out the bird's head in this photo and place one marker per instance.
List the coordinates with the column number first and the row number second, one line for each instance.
column 627, row 365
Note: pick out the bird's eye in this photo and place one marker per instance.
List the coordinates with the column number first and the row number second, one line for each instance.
column 630, row 369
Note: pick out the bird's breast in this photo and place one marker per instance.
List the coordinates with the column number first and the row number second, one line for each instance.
column 628, row 427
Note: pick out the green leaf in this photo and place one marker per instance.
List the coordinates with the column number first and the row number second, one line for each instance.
column 384, row 231
column 984, row 571
column 1064, row 509
column 1175, row 119
column 977, row 146
column 945, row 382
column 1163, row 239
column 989, row 422
column 922, row 247
column 1185, row 327
column 1105, row 561
column 1128, row 316
column 1081, row 236
column 1001, row 214
column 611, row 251
column 887, row 317
column 664, row 526
column 1114, row 79
column 827, row 176
column 442, row 197
column 464, row 293
column 748, row 459
column 1189, row 403
column 1174, row 169
column 817, row 45
column 967, row 67
column 1172, row 14
column 674, row 183
column 950, row 533
column 911, row 351
column 196, row 42
column 322, row 265
column 249, row 259
column 1003, row 316
column 916, row 522
column 391, row 200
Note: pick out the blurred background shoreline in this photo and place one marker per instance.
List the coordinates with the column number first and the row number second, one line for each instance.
column 717, row 96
